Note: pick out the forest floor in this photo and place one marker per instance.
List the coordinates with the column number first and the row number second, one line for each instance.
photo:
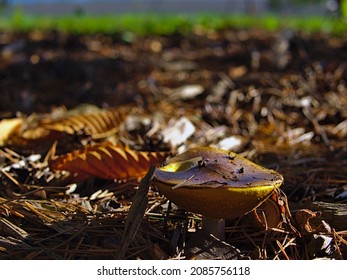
column 277, row 98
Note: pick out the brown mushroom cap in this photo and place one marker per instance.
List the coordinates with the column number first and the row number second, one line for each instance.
column 215, row 183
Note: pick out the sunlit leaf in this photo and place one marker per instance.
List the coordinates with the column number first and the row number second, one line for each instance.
column 7, row 127
column 107, row 161
column 178, row 131
column 44, row 130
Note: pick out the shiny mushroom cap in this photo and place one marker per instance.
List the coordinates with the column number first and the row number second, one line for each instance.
column 215, row 183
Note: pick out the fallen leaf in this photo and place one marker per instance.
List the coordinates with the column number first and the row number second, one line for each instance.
column 7, row 127
column 185, row 92
column 232, row 143
column 107, row 161
column 309, row 222
column 36, row 132
column 178, row 132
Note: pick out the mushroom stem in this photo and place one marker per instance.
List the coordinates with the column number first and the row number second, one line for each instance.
column 213, row 226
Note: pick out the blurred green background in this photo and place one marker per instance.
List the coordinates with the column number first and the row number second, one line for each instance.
column 169, row 16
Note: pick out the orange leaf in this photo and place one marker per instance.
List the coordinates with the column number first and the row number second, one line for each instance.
column 107, row 161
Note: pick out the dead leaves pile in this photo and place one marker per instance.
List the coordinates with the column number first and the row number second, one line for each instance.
column 103, row 160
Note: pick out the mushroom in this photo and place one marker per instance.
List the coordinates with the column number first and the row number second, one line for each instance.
column 217, row 184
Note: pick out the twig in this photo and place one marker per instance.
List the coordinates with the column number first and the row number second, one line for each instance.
column 318, row 128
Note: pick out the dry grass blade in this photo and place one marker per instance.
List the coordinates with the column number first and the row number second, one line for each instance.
column 136, row 212
column 12, row 230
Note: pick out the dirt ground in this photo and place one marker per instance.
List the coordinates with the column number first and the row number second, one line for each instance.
column 281, row 95
column 41, row 71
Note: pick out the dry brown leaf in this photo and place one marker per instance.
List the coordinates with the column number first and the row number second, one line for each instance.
column 35, row 132
column 309, row 222
column 107, row 161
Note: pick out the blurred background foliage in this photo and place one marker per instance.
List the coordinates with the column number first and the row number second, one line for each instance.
column 170, row 16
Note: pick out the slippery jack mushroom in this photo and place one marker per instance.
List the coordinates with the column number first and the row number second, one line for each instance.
column 215, row 183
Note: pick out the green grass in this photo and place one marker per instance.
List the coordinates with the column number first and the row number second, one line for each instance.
column 166, row 24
